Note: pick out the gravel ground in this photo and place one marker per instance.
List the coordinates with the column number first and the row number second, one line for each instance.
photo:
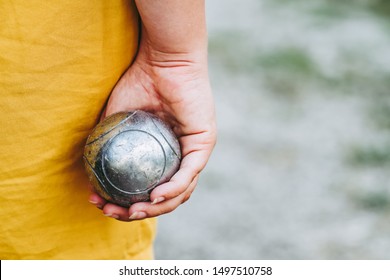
column 300, row 168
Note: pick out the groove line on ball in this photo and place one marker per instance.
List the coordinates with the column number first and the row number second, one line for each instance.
column 96, row 175
column 108, row 131
column 166, row 140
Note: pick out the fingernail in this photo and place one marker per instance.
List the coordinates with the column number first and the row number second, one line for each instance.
column 93, row 202
column 137, row 216
column 115, row 216
column 96, row 204
column 158, row 200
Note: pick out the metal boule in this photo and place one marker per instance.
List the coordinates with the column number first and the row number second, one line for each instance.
column 128, row 154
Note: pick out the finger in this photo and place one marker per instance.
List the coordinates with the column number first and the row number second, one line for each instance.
column 109, row 209
column 190, row 167
column 196, row 149
column 144, row 210
column 190, row 190
column 117, row 212
column 97, row 200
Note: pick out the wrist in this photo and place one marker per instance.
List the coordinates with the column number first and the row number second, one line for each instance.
column 173, row 28
column 174, row 56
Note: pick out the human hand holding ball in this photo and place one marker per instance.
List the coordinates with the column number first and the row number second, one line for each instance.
column 168, row 78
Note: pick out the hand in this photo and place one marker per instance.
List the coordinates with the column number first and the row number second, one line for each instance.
column 174, row 86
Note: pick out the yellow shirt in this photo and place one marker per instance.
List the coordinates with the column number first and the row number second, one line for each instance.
column 59, row 60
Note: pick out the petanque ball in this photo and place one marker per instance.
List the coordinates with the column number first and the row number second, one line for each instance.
column 128, row 154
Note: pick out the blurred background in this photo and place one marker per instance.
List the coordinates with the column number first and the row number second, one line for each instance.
column 300, row 170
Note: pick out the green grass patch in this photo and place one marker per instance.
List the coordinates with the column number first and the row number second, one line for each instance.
column 373, row 156
column 373, row 201
column 293, row 61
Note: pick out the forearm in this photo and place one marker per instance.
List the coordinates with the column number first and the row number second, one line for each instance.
column 174, row 26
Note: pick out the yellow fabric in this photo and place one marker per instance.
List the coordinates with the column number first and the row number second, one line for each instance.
column 59, row 61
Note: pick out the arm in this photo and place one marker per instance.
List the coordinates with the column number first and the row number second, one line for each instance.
column 174, row 26
column 169, row 78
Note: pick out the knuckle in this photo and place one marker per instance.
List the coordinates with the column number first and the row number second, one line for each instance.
column 186, row 198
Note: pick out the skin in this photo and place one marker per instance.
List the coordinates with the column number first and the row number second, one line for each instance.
column 169, row 77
